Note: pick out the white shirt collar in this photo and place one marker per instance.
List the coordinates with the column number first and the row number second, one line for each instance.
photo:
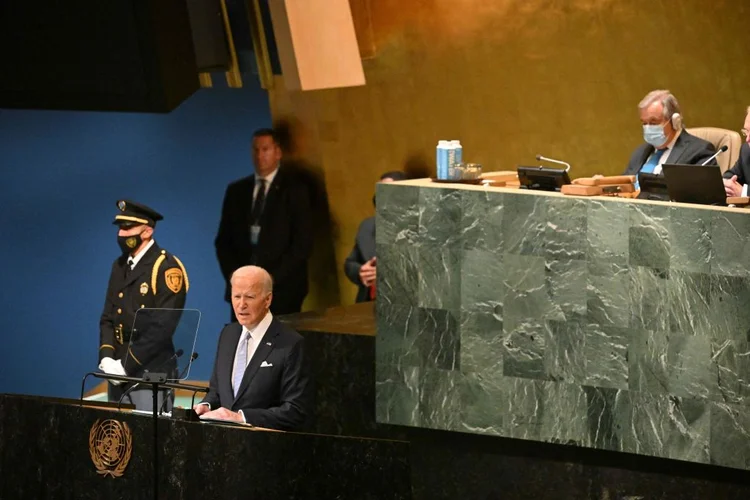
column 268, row 178
column 140, row 254
column 260, row 329
column 674, row 139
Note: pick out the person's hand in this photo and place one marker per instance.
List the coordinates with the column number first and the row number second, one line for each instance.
column 367, row 272
column 111, row 367
column 201, row 408
column 104, row 364
column 732, row 187
column 117, row 368
column 223, row 414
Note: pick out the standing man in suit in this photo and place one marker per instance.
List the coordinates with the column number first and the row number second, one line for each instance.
column 143, row 277
column 665, row 139
column 737, row 178
column 361, row 264
column 266, row 220
column 260, row 375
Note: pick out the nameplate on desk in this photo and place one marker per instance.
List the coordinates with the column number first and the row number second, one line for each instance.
column 603, row 190
column 738, row 201
column 605, row 181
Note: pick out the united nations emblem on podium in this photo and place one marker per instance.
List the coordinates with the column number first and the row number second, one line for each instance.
column 110, row 446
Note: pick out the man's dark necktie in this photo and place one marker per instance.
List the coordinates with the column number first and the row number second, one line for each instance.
column 128, row 266
column 260, row 200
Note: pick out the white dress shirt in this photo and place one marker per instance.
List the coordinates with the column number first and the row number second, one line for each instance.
column 665, row 155
column 269, row 179
column 133, row 261
column 256, row 336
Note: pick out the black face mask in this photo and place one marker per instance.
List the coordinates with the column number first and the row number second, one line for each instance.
column 129, row 243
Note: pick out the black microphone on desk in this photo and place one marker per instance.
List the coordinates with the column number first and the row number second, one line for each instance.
column 130, row 389
column 180, row 377
column 721, row 150
column 544, row 158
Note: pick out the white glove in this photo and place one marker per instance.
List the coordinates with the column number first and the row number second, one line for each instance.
column 112, row 367
column 119, row 370
column 105, row 365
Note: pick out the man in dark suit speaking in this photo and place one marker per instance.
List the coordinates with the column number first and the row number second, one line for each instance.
column 266, row 221
column 260, row 374
column 665, row 139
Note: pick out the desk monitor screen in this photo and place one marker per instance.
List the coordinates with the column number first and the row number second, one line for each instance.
column 653, row 187
column 695, row 184
column 543, row 178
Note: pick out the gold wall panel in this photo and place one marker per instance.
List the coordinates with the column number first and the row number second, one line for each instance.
column 512, row 79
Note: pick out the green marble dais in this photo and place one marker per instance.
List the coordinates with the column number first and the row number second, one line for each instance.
column 599, row 323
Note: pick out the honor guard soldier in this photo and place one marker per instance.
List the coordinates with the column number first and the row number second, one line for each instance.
column 143, row 277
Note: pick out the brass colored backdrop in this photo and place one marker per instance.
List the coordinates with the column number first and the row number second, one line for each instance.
column 512, row 79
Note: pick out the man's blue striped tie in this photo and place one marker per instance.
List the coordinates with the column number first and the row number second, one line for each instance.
column 240, row 363
column 653, row 161
column 650, row 165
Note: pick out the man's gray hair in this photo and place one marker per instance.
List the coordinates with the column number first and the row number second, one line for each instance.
column 259, row 273
column 665, row 97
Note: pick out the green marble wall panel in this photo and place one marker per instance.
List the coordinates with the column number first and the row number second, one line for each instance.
column 599, row 323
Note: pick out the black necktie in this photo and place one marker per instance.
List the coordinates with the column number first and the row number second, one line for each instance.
column 260, row 200
column 128, row 267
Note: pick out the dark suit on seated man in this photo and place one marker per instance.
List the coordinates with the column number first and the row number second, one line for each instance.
column 737, row 178
column 260, row 375
column 666, row 141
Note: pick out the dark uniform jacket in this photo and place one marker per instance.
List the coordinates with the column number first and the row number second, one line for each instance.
column 159, row 281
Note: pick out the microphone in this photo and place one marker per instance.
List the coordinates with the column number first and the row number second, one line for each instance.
column 544, row 158
column 181, row 375
column 721, row 150
column 184, row 370
column 130, row 389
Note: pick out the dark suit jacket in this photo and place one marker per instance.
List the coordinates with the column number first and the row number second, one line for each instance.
column 145, row 286
column 687, row 150
column 742, row 168
column 364, row 250
column 275, row 397
column 285, row 242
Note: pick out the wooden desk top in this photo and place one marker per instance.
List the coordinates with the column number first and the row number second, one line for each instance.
column 525, row 192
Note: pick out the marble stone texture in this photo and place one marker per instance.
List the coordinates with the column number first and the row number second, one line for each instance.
column 603, row 323
column 44, row 453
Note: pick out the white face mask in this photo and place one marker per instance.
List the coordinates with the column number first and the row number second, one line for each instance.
column 654, row 134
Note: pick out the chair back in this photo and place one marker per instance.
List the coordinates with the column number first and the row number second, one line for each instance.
column 719, row 137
